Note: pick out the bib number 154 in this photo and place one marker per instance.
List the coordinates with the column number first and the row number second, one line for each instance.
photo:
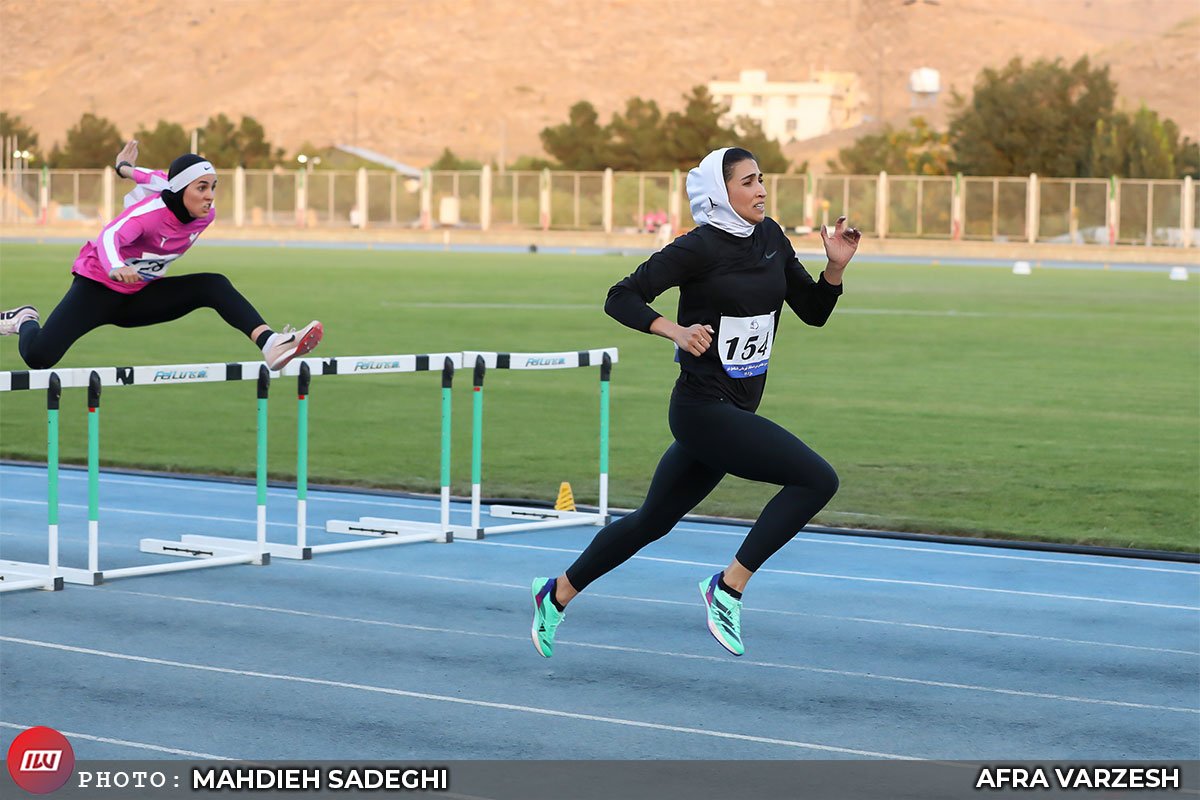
column 746, row 344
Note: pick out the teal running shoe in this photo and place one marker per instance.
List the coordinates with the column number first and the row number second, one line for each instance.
column 724, row 615
column 545, row 617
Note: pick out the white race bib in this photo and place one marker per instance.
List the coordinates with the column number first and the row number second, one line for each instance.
column 152, row 266
column 745, row 344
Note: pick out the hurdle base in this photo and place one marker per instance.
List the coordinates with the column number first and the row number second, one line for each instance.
column 203, row 557
column 466, row 532
column 250, row 547
column 533, row 513
column 28, row 571
column 19, row 575
column 381, row 532
column 540, row 519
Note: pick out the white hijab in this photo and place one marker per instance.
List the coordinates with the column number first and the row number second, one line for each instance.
column 709, row 198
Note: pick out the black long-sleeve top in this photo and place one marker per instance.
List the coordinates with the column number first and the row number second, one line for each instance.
column 725, row 277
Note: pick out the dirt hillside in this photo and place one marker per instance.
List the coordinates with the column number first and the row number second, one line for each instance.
column 408, row 78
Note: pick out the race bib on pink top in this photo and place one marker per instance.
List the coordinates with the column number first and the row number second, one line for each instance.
column 147, row 236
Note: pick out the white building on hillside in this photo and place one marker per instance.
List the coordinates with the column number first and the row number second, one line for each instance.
column 792, row 111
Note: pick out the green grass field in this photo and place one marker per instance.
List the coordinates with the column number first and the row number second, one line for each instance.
column 1063, row 406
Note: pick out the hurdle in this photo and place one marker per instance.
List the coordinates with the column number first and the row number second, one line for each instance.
column 17, row 575
column 94, row 379
column 534, row 518
column 380, row 531
column 217, row 550
column 372, row 531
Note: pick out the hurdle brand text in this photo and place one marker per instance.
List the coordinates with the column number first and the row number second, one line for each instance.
column 180, row 375
column 367, row 366
column 546, row 362
column 1090, row 777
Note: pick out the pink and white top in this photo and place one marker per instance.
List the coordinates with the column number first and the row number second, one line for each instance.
column 146, row 235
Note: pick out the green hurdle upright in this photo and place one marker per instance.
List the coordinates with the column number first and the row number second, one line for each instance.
column 93, row 456
column 16, row 575
column 605, row 377
column 92, row 575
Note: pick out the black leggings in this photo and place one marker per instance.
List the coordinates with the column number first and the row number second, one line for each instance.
column 88, row 304
column 712, row 439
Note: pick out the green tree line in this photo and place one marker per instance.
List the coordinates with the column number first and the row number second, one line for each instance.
column 94, row 141
column 643, row 138
column 1045, row 118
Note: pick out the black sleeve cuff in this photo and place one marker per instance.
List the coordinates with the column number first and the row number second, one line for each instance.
column 836, row 291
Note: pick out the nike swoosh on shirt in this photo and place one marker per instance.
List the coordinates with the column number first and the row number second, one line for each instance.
column 770, row 255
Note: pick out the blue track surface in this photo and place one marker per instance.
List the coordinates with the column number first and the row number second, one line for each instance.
column 855, row 647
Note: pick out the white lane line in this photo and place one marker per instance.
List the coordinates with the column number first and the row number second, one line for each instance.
column 742, row 663
column 831, row 576
column 811, row 538
column 715, row 565
column 141, row 512
column 125, row 743
column 757, row 610
column 903, row 312
column 526, row 306
column 174, row 485
column 361, row 687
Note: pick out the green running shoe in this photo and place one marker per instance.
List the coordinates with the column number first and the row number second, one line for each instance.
column 724, row 615
column 545, row 616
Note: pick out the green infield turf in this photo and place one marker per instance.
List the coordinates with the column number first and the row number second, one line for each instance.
column 1061, row 406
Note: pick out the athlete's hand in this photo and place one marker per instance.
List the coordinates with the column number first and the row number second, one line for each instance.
column 128, row 153
column 840, row 244
column 695, row 339
column 125, row 275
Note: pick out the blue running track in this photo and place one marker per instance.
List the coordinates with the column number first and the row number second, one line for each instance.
column 856, row 648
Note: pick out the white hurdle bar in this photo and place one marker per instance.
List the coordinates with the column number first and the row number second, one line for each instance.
column 378, row 531
column 535, row 518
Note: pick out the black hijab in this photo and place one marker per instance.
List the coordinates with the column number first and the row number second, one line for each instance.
column 174, row 200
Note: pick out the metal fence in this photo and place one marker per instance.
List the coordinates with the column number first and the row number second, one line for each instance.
column 1031, row 209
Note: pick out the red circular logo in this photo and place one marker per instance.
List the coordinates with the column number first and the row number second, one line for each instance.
column 41, row 760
